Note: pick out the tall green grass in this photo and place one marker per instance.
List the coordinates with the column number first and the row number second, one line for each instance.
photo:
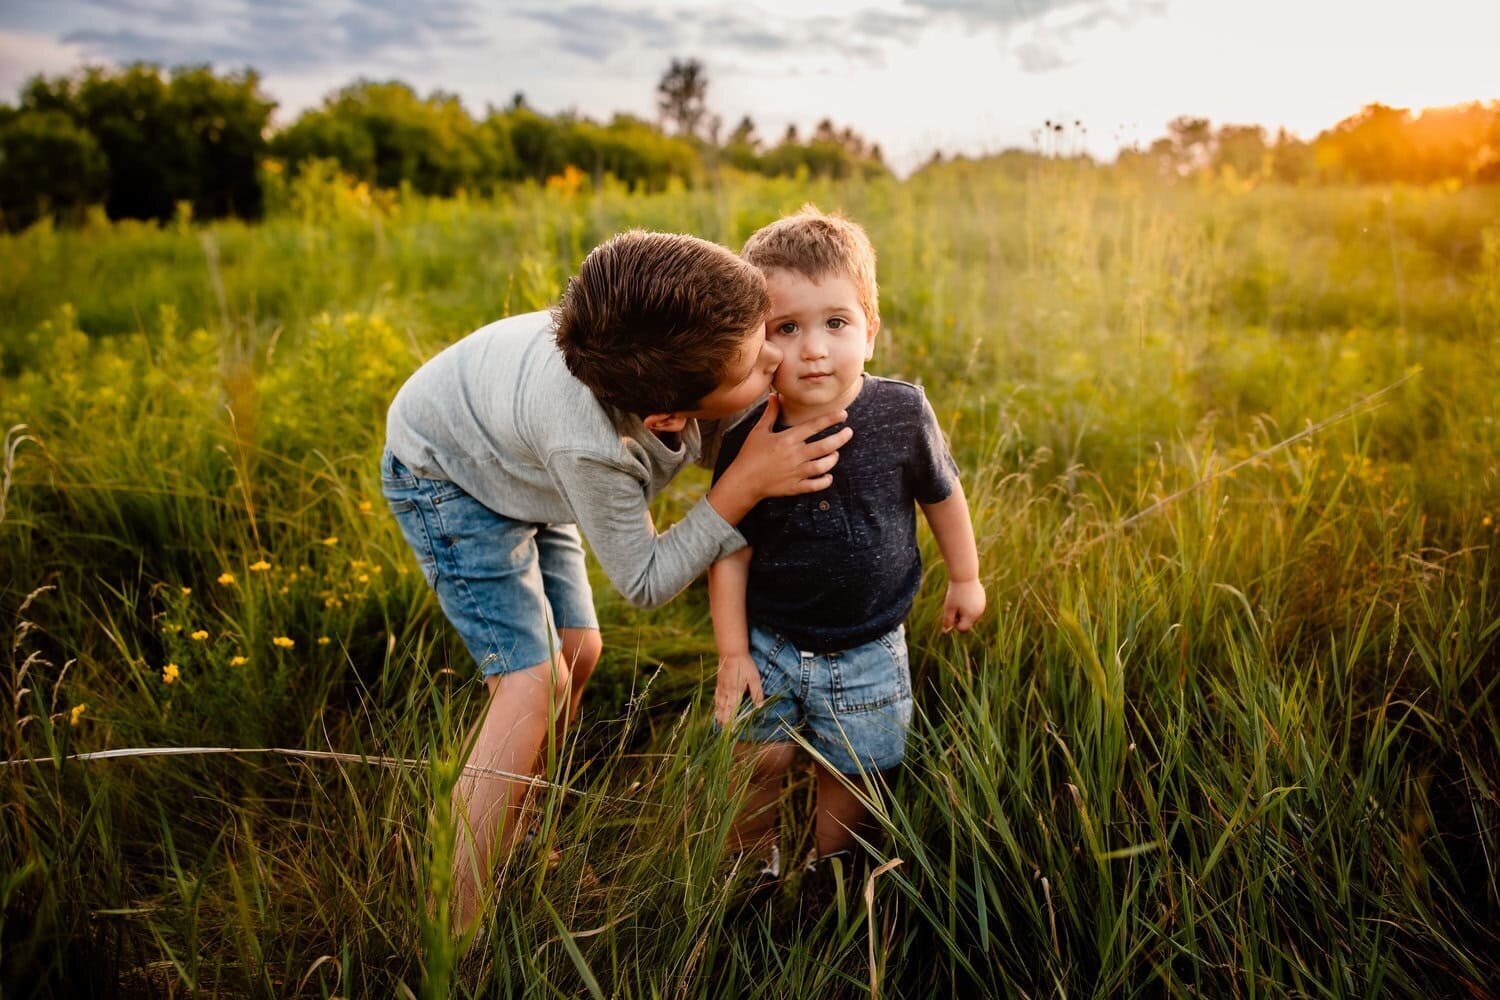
column 1245, row 744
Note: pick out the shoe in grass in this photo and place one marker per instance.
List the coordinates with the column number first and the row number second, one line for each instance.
column 833, row 879
column 761, row 882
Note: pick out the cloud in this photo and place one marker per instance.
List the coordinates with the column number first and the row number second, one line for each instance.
column 126, row 46
column 888, row 24
column 1040, row 57
column 601, row 34
column 596, row 32
column 1040, row 34
column 273, row 35
column 24, row 55
column 996, row 13
column 292, row 37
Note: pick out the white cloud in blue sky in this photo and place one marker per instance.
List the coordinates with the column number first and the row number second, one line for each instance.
column 913, row 74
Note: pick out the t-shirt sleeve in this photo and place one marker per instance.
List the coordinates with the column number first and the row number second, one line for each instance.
column 647, row 567
column 931, row 471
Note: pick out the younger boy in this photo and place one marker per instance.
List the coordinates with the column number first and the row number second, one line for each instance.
column 809, row 618
column 503, row 445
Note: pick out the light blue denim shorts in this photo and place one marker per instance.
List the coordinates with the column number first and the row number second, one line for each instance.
column 506, row 585
column 853, row 706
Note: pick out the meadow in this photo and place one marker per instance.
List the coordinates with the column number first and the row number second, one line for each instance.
column 1228, row 729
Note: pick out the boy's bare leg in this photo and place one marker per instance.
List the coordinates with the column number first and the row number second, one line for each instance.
column 489, row 808
column 754, row 830
column 839, row 814
column 581, row 648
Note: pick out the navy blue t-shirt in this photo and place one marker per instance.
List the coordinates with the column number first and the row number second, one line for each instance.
column 839, row 568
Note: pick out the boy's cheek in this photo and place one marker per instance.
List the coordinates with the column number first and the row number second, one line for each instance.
column 784, row 381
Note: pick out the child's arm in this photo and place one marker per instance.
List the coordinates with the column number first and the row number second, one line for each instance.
column 949, row 520
column 649, row 567
column 727, row 580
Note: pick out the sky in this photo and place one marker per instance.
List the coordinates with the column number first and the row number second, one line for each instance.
column 963, row 76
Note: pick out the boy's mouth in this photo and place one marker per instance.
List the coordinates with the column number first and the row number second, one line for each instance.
column 816, row 376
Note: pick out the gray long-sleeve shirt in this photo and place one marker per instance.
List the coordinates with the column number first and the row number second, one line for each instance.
column 499, row 414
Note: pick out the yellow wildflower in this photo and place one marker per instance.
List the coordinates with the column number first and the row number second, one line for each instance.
column 170, row 673
column 226, row 579
column 376, row 568
column 363, row 578
column 323, row 640
column 1487, row 521
column 76, row 714
column 199, row 635
column 332, row 602
column 186, row 591
column 172, row 628
column 237, row 661
column 282, row 642
column 259, row 566
column 331, row 540
column 365, row 506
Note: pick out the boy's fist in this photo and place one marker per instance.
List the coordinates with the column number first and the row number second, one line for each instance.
column 963, row 606
column 737, row 674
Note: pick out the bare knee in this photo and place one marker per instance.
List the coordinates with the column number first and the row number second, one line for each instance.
column 768, row 761
column 539, row 684
column 581, row 648
column 562, row 680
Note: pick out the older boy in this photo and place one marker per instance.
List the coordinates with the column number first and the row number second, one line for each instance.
column 503, row 442
column 809, row 618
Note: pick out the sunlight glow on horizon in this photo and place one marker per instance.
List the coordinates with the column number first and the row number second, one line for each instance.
column 958, row 85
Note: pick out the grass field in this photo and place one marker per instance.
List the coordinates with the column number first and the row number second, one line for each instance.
column 1229, row 729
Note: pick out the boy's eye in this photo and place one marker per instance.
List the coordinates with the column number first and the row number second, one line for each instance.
column 787, row 329
column 837, row 323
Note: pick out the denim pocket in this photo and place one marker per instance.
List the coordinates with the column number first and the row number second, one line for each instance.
column 414, row 529
column 871, row 676
column 394, row 475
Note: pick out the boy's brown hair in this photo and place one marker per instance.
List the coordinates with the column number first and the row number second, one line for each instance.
column 816, row 245
column 652, row 321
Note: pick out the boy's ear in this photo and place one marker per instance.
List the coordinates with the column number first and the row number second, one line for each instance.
column 870, row 335
column 665, row 423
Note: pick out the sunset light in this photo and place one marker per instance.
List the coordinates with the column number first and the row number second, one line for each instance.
column 769, row 500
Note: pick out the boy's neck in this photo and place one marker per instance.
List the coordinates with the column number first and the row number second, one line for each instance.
column 792, row 413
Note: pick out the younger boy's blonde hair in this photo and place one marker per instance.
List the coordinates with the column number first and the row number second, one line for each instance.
column 816, row 245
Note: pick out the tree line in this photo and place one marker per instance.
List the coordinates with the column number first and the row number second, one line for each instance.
column 143, row 143
column 1378, row 145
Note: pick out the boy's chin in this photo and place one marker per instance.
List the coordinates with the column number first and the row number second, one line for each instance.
column 794, row 395
column 803, row 396
column 797, row 397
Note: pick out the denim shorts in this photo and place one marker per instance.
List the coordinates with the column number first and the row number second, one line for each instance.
column 853, row 706
column 506, row 585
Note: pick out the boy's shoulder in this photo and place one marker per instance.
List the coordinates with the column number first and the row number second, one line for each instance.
column 893, row 388
column 887, row 398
